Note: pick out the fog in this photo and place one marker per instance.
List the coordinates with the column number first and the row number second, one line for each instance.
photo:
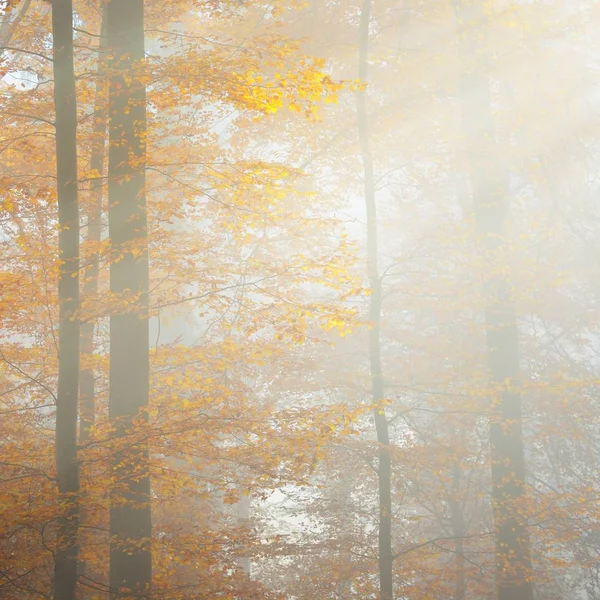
column 300, row 300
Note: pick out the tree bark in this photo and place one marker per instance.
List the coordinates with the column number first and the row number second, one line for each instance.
column 87, row 385
column 87, row 391
column 386, row 591
column 67, row 468
column 130, row 513
column 489, row 183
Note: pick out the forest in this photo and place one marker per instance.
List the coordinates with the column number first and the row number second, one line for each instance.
column 299, row 300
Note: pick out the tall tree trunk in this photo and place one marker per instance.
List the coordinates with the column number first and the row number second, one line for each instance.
column 67, row 468
column 489, row 183
column 130, row 514
column 87, row 391
column 386, row 591
column 87, row 387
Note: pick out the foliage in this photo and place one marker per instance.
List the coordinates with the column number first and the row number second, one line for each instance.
column 262, row 446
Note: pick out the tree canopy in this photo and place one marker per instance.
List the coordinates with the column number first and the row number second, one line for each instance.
column 299, row 299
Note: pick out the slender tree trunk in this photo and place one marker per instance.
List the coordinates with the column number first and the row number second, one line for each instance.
column 67, row 468
column 489, row 183
column 386, row 558
column 87, row 392
column 87, row 388
column 130, row 515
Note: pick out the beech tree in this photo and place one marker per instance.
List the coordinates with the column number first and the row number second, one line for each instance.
column 130, row 513
column 384, row 468
column 67, row 397
column 489, row 183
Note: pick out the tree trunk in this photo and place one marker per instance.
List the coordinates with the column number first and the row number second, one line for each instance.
column 87, row 391
column 386, row 559
column 67, row 468
column 87, row 386
column 489, row 183
column 130, row 515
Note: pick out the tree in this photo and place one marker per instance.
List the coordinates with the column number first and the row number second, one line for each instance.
column 93, row 237
column 67, row 399
column 130, row 513
column 384, row 468
column 489, row 183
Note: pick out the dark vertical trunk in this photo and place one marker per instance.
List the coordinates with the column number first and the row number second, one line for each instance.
column 489, row 182
column 87, row 390
column 67, row 468
column 386, row 560
column 130, row 516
